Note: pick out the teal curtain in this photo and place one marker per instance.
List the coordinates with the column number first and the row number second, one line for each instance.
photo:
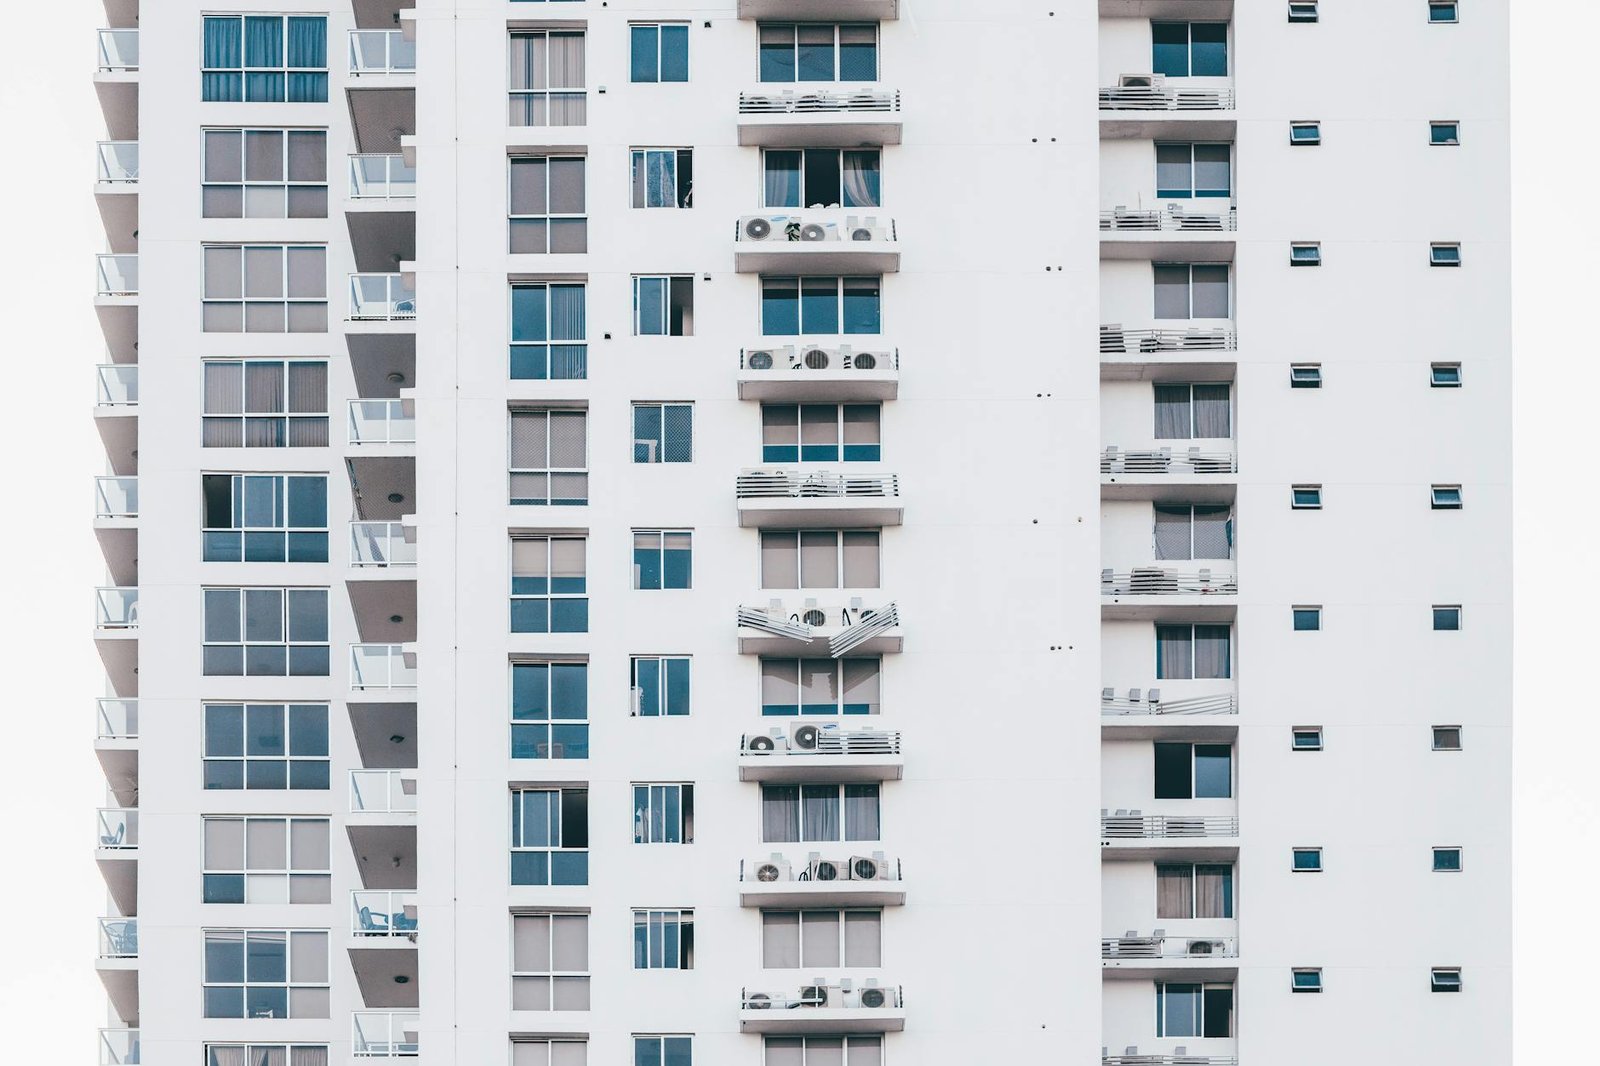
column 222, row 59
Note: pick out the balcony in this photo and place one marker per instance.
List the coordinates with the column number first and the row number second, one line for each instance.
column 116, row 635
column 116, row 498
column 383, row 915
column 807, row 628
column 820, row 752
column 1157, row 92
column 1170, row 956
column 1156, row 342
column 383, row 545
column 116, row 527
column 787, row 498
column 381, row 89
column 119, row 1047
column 1134, row 835
column 116, row 192
column 383, row 946
column 821, row 10
column 840, row 879
column 823, row 1009
column 117, row 854
column 389, row 791
column 116, row 720
column 384, row 668
column 816, row 242
column 117, row 276
column 823, row 369
column 382, row 829
column 1161, row 713
column 384, row 1034
column 116, row 387
column 118, row 965
column 842, row 117
column 116, row 81
column 116, row 414
column 1180, row 1056
column 1147, row 592
column 378, row 298
column 383, row 421
column 1179, row 229
column 381, row 52
column 116, row 610
column 380, row 178
column 116, row 745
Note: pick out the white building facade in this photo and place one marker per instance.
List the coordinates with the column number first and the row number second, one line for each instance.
column 549, row 444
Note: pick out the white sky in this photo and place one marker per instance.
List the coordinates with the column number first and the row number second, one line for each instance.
column 50, row 892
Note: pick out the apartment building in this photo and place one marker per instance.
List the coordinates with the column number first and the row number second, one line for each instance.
column 548, row 447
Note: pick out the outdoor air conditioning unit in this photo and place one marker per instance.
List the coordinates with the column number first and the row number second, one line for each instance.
column 770, row 870
column 1140, row 81
column 761, row 360
column 865, row 868
column 866, row 361
column 866, row 229
column 814, row 359
column 825, row 870
column 764, row 744
column 873, row 997
column 813, row 995
column 815, row 231
column 759, row 228
column 804, row 737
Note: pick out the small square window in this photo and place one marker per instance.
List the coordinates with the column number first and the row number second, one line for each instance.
column 1302, row 10
column 1307, row 619
column 1444, row 255
column 1445, row 979
column 1307, row 860
column 1307, row 979
column 1305, row 254
column 1444, row 134
column 1307, row 497
column 1307, row 738
column 1445, row 375
column 1443, row 11
column 1446, row 619
column 1446, row 860
column 1305, row 376
column 1446, row 738
column 1305, row 133
column 1447, row 497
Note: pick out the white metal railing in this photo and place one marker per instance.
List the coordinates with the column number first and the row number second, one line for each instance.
column 116, row 608
column 1160, row 97
column 1161, row 945
column 119, row 1047
column 118, row 827
column 381, row 422
column 116, row 719
column 818, row 101
column 801, row 358
column 1179, row 1057
column 116, row 384
column 826, row 739
column 116, row 497
column 1160, row 581
column 842, row 996
column 382, row 52
column 117, row 275
column 1114, row 339
column 118, row 162
column 1164, row 460
column 775, row 868
column 383, row 912
column 388, row 1034
column 811, row 227
column 381, row 544
column 1176, row 218
column 852, row 625
column 1133, row 825
column 119, row 50
column 762, row 484
column 382, row 177
column 119, row 938
column 383, row 791
column 382, row 298
column 1132, row 704
column 382, row 666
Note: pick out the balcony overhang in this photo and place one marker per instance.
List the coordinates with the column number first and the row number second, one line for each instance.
column 120, row 869
column 1159, row 125
column 822, row 1020
column 376, row 604
column 782, row 256
column 822, row 893
column 819, row 10
column 119, row 651
column 1162, row 9
column 383, row 109
column 379, row 14
column 378, row 474
column 1165, row 366
column 1211, row 607
column 386, row 970
column 803, row 513
column 822, row 769
column 751, row 643
column 119, row 432
column 385, row 847
column 1175, row 849
column 119, row 214
column 121, row 978
column 119, row 102
column 382, row 233
column 119, row 544
column 1201, row 968
column 119, row 322
column 119, row 760
column 826, row 117
column 1175, row 246
column 1208, row 729
column 386, row 734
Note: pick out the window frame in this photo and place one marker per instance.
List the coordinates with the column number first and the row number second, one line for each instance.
column 550, row 596
column 677, row 305
column 659, row 67
column 840, row 938
column 801, row 182
column 550, row 472
column 640, row 189
column 245, row 984
column 1305, row 253
column 1305, row 497
column 1448, row 849
column 288, row 643
column 850, row 1044
column 653, row 929
column 243, row 70
column 573, row 352
column 1445, row 255
column 1441, row 739
column 285, row 422
column 551, row 219
column 249, row 876
column 1447, row 618
column 842, row 284
column 661, row 448
column 285, row 531
column 1445, row 980
column 245, row 759
column 1313, row 734
column 840, row 683
column 839, row 798
column 1446, row 498
column 1189, row 47
column 1305, row 980
column 1194, row 192
column 244, row 302
column 1303, row 11
column 1307, row 619
column 556, row 733
column 523, row 102
column 1313, row 853
column 653, row 823
column 1193, row 877
column 1156, row 286
column 1439, row 376
column 1192, row 524
column 681, row 1055
column 839, row 450
column 1200, row 988
column 1440, row 125
column 1193, row 643
column 1451, row 8
column 557, row 817
column 552, row 977
column 1305, row 133
column 245, row 184
column 836, row 51
column 1192, row 763
column 1305, row 375
column 249, row 1050
column 840, row 557
column 665, row 569
column 663, row 686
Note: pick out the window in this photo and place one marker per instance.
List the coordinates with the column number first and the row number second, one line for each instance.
column 1189, row 49
column 820, row 686
column 1305, row 376
column 550, row 710
column 266, row 973
column 1192, row 651
column 821, row 433
column 663, row 940
column 265, row 59
column 822, row 177
column 265, row 403
column 1186, row 171
column 1446, row 497
column 663, row 177
column 1191, row 1010
column 663, row 432
column 266, row 860
column 663, row 1051
column 549, row 458
column 264, row 518
column 1444, row 255
column 791, row 307
column 663, row 306
column 1193, row 531
column 547, row 205
column 663, row 814
column 266, row 746
column 815, row 51
column 265, row 632
column 548, row 329
column 1306, row 979
column 549, row 585
column 1446, row 860
column 1444, row 134
column 547, row 78
column 265, row 288
column 660, row 52
column 822, row 939
column 552, row 1051
column 659, row 685
column 1446, row 619
column 1193, row 771
column 1444, row 978
column 1192, row 290
column 1193, row 890
column 267, row 1054
column 1190, row 412
column 662, row 559
column 794, row 813
column 1446, row 738
column 1444, row 375
column 1307, row 619
column 549, row 962
column 1305, row 253
column 1440, row 11
column 549, row 836
column 1306, row 497
column 1305, row 134
column 1302, row 10
column 1306, row 738
column 822, row 1050
column 819, row 559
column 272, row 173
column 1307, row 861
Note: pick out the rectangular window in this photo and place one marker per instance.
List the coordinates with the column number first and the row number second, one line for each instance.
column 550, row 710
column 1306, row 738
column 549, row 458
column 819, row 559
column 1305, row 134
column 1188, row 171
column 1305, row 376
column 818, row 51
column 663, row 306
column 663, row 432
column 659, row 685
column 1193, row 890
column 1192, row 291
column 549, row 836
column 663, row 940
column 1447, row 619
column 1193, row 651
column 822, row 177
column 265, row 403
column 1446, row 738
column 277, row 973
column 1444, row 134
column 1307, row 861
column 547, row 78
column 660, row 52
column 265, row 632
column 548, row 330
column 663, row 814
column 1194, row 411
column 265, row 59
column 1305, row 254
column 794, row 813
column 265, row 288
column 1307, row 619
column 263, row 746
column 792, row 687
column 1444, row 375
column 549, row 963
column 1193, row 771
column 663, row 177
column 554, row 1051
column 822, row 1050
column 264, row 173
column 549, row 585
column 1302, row 10
column 264, row 518
column 1446, row 860
column 1442, row 11
column 266, row 860
column 792, row 307
column 1444, row 979
column 662, row 559
column 1446, row 497
column 821, row 433
column 1306, row 979
column 547, row 205
column 1189, row 49
column 663, row 1051
column 1306, row 497
column 1444, row 255
column 267, row 1054
column 1193, row 531
column 1191, row 1010
column 821, row 939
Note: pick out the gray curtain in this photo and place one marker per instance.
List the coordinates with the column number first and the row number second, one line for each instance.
column 819, row 812
column 1213, row 532
column 1173, row 414
column 1174, row 533
column 780, row 940
column 1212, row 411
column 861, row 812
column 1174, row 652
column 820, row 936
column 1211, row 646
column 1213, row 897
column 780, row 814
column 1175, row 891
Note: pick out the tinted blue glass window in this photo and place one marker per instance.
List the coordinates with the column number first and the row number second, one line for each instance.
column 1208, row 49
column 1170, row 48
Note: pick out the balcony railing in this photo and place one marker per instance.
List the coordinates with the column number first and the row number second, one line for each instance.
column 382, row 298
column 800, row 359
column 119, row 50
column 1159, row 945
column 812, row 227
column 381, row 544
column 119, row 1047
column 819, row 101
column 1159, row 581
column 117, row 828
column 381, row 422
column 1165, row 461
column 118, row 162
column 382, row 52
column 119, row 938
column 793, row 484
column 1158, row 95
column 853, row 625
column 1116, row 340
column 116, row 497
column 383, row 791
column 383, row 913
column 824, row 740
column 1137, row 703
column 382, row 177
column 842, row 996
column 117, row 275
column 1133, row 825
column 384, row 1034
column 116, row 608
column 116, row 719
column 378, row 666
column 777, row 869
column 1179, row 1057
column 1175, row 219
column 116, row 385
